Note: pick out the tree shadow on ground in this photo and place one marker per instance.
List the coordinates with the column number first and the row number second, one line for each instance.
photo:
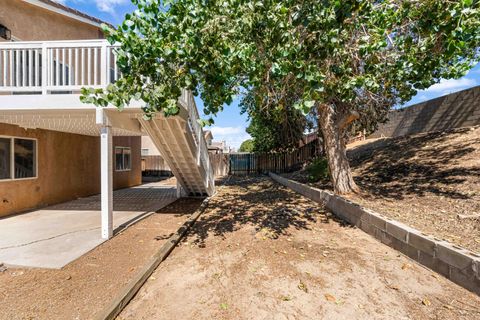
column 181, row 207
column 178, row 208
column 259, row 202
column 428, row 163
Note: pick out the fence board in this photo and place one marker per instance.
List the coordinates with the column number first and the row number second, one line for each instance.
column 155, row 166
column 243, row 163
column 258, row 163
column 220, row 164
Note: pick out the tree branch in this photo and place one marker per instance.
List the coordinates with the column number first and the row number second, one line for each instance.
column 345, row 119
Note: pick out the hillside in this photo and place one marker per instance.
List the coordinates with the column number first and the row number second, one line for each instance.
column 429, row 181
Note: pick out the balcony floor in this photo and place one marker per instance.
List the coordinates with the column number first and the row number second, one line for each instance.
column 54, row 236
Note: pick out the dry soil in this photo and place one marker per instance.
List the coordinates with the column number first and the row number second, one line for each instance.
column 261, row 251
column 429, row 181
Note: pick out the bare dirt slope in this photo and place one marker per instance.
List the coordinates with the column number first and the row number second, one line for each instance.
column 427, row 181
column 261, row 251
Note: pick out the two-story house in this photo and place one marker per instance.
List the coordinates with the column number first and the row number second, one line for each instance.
column 46, row 166
column 53, row 148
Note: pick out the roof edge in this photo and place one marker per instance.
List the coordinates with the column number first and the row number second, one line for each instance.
column 67, row 11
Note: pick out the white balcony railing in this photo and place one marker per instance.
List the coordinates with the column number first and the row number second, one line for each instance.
column 56, row 66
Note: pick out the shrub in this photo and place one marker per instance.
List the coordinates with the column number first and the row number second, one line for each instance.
column 318, row 170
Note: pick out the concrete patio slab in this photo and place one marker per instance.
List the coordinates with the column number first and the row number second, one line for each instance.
column 56, row 235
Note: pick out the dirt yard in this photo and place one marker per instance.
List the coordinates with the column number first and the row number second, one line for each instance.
column 85, row 286
column 428, row 181
column 261, row 251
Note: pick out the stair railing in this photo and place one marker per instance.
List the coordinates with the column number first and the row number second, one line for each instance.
column 198, row 135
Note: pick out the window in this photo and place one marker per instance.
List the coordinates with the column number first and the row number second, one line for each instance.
column 18, row 158
column 123, row 159
column 5, row 158
column 25, row 166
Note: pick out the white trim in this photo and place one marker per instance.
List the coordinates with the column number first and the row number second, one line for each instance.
column 52, row 102
column 12, row 158
column 63, row 12
column 55, row 44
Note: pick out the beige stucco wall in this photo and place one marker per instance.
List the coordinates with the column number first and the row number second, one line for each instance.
column 147, row 143
column 30, row 23
column 133, row 177
column 68, row 168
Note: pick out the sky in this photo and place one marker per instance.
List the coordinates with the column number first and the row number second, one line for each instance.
column 230, row 124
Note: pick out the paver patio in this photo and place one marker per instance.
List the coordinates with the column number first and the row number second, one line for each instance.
column 56, row 235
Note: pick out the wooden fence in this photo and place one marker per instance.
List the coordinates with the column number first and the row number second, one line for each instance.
column 220, row 163
column 257, row 163
column 243, row 163
column 155, row 166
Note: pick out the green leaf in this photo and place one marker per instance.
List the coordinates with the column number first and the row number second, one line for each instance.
column 309, row 103
column 223, row 306
column 128, row 23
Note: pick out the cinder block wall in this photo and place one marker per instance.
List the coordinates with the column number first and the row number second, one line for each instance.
column 456, row 110
column 457, row 264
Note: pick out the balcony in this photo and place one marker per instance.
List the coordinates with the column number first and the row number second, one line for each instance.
column 53, row 67
column 50, row 74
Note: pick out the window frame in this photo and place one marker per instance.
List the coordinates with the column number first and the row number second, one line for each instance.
column 12, row 158
column 123, row 161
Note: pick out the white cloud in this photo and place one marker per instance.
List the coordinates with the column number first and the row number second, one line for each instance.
column 234, row 136
column 109, row 5
column 226, row 130
column 451, row 85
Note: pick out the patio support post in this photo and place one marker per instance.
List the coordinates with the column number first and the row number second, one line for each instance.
column 180, row 191
column 106, row 181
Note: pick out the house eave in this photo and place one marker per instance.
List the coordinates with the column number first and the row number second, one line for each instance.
column 68, row 12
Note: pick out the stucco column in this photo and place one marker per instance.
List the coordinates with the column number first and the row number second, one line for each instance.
column 106, row 169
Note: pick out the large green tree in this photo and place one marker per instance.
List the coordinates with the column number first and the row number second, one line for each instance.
column 343, row 59
column 246, row 146
column 274, row 128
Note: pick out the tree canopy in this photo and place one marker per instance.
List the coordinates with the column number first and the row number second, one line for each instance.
column 346, row 60
column 246, row 146
column 275, row 128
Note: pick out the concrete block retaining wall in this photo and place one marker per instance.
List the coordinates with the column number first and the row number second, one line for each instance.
column 456, row 110
column 457, row 264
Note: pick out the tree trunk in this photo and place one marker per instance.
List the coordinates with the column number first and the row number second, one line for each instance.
column 335, row 150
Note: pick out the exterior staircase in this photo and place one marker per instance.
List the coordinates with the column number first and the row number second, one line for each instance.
column 182, row 144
